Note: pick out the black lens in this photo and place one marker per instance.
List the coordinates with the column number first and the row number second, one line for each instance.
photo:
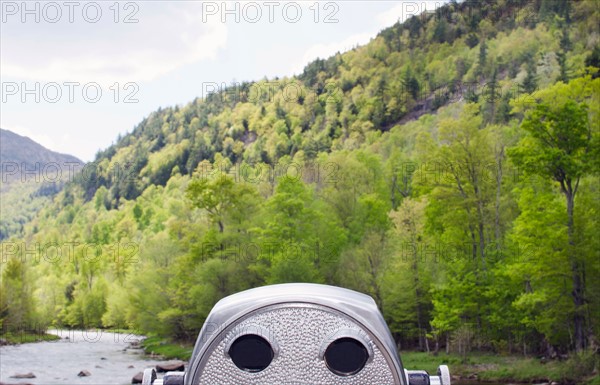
column 346, row 356
column 251, row 353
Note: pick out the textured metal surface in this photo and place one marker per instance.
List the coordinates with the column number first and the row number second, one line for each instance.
column 298, row 317
column 299, row 330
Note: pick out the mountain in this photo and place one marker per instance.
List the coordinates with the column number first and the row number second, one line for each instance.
column 27, row 154
column 30, row 175
column 410, row 168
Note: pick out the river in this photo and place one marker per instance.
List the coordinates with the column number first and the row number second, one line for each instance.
column 108, row 356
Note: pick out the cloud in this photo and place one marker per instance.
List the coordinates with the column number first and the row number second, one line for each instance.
column 167, row 36
column 325, row 50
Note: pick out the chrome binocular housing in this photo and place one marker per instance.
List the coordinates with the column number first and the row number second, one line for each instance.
column 296, row 333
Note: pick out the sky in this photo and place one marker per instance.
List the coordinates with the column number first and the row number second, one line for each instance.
column 76, row 74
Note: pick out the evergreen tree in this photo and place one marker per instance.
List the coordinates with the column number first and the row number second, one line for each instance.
column 530, row 83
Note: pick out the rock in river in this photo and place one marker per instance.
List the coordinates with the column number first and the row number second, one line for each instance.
column 26, row 375
column 137, row 379
column 172, row 366
column 84, row 373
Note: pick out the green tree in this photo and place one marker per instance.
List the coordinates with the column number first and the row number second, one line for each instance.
column 530, row 83
column 16, row 301
column 220, row 197
column 561, row 144
column 561, row 56
column 460, row 177
column 408, row 277
column 538, row 269
column 483, row 53
column 410, row 84
column 288, row 236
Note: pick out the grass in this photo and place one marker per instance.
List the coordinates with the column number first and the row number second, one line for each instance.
column 169, row 350
column 122, row 331
column 24, row 337
column 594, row 381
column 514, row 369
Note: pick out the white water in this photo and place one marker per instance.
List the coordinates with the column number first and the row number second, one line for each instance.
column 59, row 362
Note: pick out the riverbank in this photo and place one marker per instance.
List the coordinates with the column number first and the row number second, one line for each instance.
column 157, row 346
column 480, row 367
column 25, row 338
column 475, row 367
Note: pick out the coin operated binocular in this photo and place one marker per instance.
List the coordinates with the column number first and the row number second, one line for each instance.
column 296, row 334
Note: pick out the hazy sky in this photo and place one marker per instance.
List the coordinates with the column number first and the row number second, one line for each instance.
column 98, row 68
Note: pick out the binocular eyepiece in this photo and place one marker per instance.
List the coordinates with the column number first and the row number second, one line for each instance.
column 296, row 334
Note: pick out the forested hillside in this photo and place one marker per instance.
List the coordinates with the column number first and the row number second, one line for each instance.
column 449, row 169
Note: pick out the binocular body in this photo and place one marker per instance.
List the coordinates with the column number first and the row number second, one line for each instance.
column 296, row 334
